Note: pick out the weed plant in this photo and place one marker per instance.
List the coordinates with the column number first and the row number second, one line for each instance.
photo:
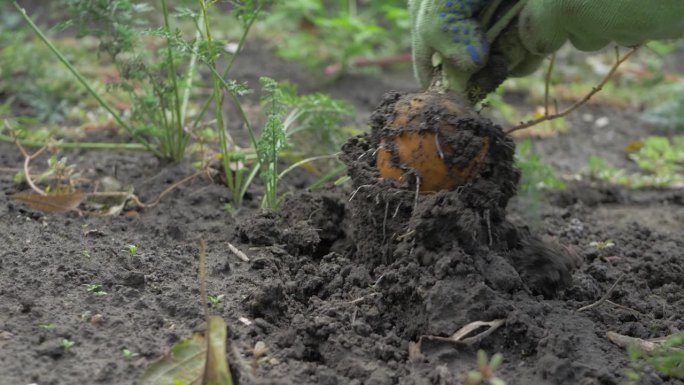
column 157, row 78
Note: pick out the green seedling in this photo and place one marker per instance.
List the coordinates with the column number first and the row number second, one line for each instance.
column 67, row 344
column 485, row 370
column 132, row 249
column 216, row 300
column 95, row 289
column 272, row 141
column 602, row 245
column 128, row 355
column 47, row 327
column 86, row 316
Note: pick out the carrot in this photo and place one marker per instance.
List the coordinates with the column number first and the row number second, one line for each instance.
column 424, row 141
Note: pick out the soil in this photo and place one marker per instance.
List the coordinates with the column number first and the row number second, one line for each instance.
column 335, row 288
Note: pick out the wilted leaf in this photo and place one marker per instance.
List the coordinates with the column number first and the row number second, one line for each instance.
column 194, row 361
column 217, row 371
column 53, row 203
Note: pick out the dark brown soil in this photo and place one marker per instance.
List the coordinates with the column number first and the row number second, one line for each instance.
column 330, row 288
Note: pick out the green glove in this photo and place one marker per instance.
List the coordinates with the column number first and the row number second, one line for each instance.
column 540, row 29
column 545, row 25
column 447, row 31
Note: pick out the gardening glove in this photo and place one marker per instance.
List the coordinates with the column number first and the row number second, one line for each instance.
column 541, row 28
column 446, row 32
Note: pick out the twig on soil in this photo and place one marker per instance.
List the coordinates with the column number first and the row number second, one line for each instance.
column 202, row 276
column 365, row 297
column 648, row 346
column 579, row 103
column 171, row 188
column 605, row 296
column 460, row 336
column 27, row 160
column 623, row 307
column 238, row 252
column 136, row 200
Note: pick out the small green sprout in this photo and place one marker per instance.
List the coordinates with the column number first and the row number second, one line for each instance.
column 602, row 245
column 485, row 370
column 47, row 327
column 128, row 355
column 86, row 253
column 95, row 289
column 67, row 344
column 215, row 300
column 132, row 249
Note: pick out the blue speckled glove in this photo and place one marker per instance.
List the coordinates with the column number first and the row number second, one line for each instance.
column 450, row 31
column 447, row 32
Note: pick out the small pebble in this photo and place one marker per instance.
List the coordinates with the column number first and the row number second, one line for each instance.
column 602, row 122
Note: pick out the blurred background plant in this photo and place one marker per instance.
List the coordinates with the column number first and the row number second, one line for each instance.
column 321, row 33
column 144, row 76
column 660, row 162
column 667, row 358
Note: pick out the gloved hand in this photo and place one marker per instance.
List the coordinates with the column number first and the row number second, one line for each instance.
column 541, row 28
column 447, row 28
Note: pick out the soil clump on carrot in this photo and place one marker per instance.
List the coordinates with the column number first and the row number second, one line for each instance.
column 394, row 221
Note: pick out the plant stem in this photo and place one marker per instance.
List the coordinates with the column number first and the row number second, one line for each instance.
column 305, row 161
column 547, row 83
column 83, row 82
column 190, row 75
column 178, row 142
column 559, row 114
column 78, row 145
column 218, row 100
column 235, row 55
column 243, row 115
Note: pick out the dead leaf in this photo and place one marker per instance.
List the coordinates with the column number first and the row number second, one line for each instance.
column 194, row 361
column 462, row 336
column 53, row 203
column 216, row 371
column 624, row 341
